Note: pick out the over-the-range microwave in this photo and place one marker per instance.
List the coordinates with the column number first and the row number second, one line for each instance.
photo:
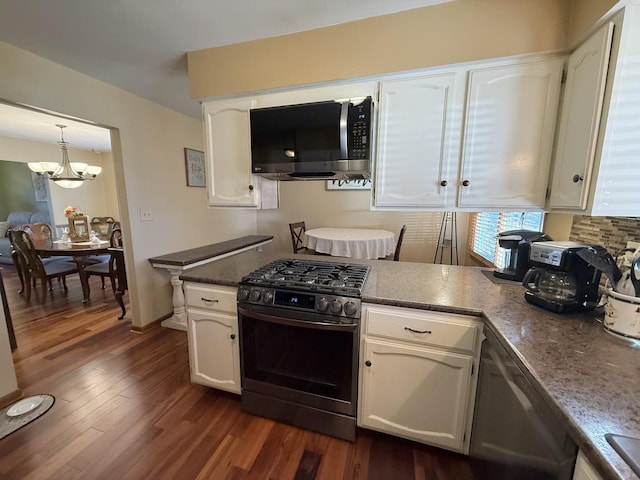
column 313, row 141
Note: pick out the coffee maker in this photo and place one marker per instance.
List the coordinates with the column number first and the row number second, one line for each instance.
column 518, row 243
column 559, row 280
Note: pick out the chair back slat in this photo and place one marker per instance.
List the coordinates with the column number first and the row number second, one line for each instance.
column 22, row 243
column 297, row 230
column 396, row 255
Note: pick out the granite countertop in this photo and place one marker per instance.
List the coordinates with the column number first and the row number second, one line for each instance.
column 587, row 376
column 198, row 254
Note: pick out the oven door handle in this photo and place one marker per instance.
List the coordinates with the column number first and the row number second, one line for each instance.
column 296, row 323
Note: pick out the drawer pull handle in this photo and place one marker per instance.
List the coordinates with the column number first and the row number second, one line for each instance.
column 417, row 331
column 208, row 300
column 233, row 336
column 368, row 363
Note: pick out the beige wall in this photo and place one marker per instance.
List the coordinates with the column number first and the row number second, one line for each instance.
column 148, row 142
column 318, row 207
column 584, row 15
column 453, row 32
column 94, row 198
column 8, row 382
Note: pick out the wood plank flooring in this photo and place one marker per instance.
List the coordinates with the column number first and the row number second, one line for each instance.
column 126, row 409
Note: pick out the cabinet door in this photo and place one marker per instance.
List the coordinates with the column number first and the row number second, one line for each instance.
column 214, row 353
column 580, row 121
column 508, row 136
column 418, row 141
column 228, row 153
column 415, row 393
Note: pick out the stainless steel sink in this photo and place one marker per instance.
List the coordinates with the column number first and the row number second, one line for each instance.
column 628, row 448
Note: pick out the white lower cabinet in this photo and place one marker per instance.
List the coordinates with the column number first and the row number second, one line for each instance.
column 418, row 375
column 212, row 328
column 584, row 470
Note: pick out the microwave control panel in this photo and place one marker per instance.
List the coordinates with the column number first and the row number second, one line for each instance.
column 360, row 129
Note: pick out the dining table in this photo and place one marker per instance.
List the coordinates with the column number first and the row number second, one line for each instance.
column 351, row 242
column 78, row 251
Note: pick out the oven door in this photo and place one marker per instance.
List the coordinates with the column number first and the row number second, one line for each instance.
column 299, row 358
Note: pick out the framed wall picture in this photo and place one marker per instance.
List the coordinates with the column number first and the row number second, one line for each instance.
column 194, row 162
column 79, row 228
column 348, row 184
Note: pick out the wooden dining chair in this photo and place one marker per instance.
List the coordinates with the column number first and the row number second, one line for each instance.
column 396, row 255
column 102, row 226
column 104, row 269
column 32, row 267
column 114, row 269
column 297, row 230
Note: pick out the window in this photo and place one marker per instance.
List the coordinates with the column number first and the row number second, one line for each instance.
column 485, row 226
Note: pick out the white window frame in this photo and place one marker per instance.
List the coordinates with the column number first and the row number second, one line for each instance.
column 484, row 228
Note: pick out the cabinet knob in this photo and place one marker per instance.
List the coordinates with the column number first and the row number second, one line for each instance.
column 233, row 336
column 443, row 183
column 465, row 183
column 577, row 178
column 368, row 363
column 251, row 188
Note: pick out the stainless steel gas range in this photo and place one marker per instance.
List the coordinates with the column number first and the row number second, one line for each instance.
column 299, row 324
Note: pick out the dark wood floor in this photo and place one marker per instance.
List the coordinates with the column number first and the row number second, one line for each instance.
column 126, row 409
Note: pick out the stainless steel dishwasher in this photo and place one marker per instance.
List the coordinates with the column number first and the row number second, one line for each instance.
column 515, row 434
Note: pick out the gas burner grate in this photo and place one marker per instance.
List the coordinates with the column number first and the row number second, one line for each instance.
column 329, row 277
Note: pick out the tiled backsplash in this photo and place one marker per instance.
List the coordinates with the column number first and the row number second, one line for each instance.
column 610, row 232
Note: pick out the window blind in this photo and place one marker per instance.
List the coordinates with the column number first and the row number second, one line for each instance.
column 485, row 227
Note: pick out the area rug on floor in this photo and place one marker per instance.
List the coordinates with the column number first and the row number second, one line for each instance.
column 20, row 413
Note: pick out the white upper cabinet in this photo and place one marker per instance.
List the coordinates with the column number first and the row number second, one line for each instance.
column 580, row 121
column 508, row 135
column 419, row 140
column 605, row 181
column 228, row 153
column 491, row 150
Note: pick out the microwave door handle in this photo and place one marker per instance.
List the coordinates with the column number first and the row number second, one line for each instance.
column 344, row 134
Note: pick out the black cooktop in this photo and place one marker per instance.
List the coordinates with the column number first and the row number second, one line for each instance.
column 345, row 279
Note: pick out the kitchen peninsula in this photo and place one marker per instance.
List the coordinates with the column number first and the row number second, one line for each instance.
column 580, row 371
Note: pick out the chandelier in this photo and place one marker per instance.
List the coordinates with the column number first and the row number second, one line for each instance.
column 66, row 174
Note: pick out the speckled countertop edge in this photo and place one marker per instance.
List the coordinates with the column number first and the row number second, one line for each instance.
column 586, row 375
column 194, row 255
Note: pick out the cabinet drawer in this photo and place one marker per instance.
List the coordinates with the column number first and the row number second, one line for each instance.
column 432, row 328
column 220, row 299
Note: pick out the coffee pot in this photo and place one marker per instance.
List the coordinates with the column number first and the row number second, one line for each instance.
column 553, row 285
column 559, row 279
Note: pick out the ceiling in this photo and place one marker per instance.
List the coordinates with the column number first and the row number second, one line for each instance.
column 31, row 125
column 140, row 45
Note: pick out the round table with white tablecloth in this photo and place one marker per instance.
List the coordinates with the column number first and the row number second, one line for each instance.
column 351, row 242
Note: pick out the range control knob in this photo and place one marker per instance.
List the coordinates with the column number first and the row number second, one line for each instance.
column 350, row 308
column 255, row 295
column 243, row 294
column 336, row 306
column 267, row 297
column 322, row 304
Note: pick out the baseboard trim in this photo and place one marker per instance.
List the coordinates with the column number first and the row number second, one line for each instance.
column 149, row 326
column 10, row 398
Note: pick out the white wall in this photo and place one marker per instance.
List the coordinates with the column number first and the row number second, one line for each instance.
column 148, row 142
